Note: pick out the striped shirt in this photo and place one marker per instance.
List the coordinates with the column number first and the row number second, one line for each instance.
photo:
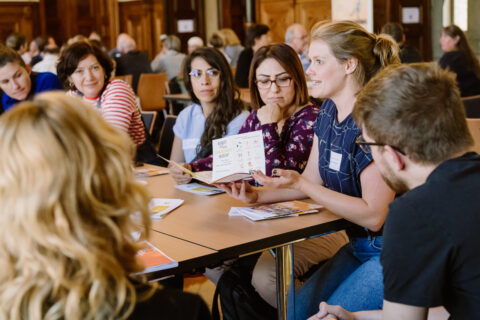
column 119, row 108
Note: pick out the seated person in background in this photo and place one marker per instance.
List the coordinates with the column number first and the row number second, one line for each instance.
column 217, row 110
column 132, row 61
column 117, row 51
column 67, row 215
column 194, row 43
column 460, row 59
column 85, row 70
column 408, row 53
column 36, row 48
column 170, row 59
column 18, row 83
column 217, row 41
column 50, row 59
column 431, row 240
column 233, row 46
column 18, row 42
column 297, row 37
column 258, row 35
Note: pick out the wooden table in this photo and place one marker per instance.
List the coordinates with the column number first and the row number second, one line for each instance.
column 204, row 221
column 188, row 255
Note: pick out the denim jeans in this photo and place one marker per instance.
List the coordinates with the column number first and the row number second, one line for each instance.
column 352, row 278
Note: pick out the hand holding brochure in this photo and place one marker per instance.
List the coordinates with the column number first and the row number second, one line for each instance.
column 153, row 259
column 160, row 207
column 275, row 210
column 234, row 157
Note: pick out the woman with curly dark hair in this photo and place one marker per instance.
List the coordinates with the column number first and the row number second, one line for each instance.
column 86, row 70
column 460, row 59
column 217, row 110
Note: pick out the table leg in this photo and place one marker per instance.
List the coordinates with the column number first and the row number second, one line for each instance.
column 284, row 268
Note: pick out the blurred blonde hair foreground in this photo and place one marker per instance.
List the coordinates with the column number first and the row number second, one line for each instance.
column 67, row 194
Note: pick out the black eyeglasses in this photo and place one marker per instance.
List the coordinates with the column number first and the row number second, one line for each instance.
column 267, row 83
column 365, row 146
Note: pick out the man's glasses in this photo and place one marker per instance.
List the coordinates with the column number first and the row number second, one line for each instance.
column 267, row 83
column 365, row 146
column 211, row 73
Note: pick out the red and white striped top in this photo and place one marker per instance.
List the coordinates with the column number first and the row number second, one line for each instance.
column 119, row 108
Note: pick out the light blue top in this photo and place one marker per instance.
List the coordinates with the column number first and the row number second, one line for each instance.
column 190, row 125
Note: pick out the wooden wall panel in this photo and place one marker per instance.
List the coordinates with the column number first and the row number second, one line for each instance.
column 309, row 12
column 233, row 16
column 20, row 17
column 144, row 21
column 278, row 15
column 185, row 10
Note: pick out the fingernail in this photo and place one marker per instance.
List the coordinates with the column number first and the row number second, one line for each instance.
column 274, row 171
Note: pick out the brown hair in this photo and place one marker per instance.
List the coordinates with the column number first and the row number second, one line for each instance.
column 75, row 53
column 464, row 46
column 8, row 55
column 288, row 59
column 416, row 108
column 348, row 39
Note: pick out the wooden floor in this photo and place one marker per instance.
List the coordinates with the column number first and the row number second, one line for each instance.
column 201, row 286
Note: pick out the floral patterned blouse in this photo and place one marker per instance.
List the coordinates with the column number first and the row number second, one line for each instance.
column 288, row 150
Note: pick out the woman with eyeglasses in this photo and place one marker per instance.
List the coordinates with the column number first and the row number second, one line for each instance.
column 217, row 110
column 339, row 174
column 286, row 117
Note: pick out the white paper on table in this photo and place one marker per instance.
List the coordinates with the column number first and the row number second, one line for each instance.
column 160, row 207
column 200, row 189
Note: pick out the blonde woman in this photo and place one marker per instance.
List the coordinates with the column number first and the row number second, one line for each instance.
column 67, row 194
column 339, row 174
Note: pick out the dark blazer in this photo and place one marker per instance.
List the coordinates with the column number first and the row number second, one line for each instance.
column 243, row 67
column 134, row 62
column 467, row 80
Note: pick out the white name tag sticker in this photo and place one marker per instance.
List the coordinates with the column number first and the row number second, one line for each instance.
column 335, row 160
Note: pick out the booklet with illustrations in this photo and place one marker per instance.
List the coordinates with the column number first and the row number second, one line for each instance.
column 234, row 157
column 275, row 210
column 153, row 258
column 198, row 188
column 160, row 207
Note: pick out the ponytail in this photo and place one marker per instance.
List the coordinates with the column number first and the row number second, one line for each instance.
column 348, row 39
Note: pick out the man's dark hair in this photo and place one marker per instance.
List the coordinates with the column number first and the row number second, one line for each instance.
column 394, row 29
column 255, row 31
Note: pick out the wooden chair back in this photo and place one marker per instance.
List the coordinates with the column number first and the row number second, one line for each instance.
column 167, row 136
column 474, row 127
column 128, row 78
column 472, row 106
column 149, row 118
column 151, row 88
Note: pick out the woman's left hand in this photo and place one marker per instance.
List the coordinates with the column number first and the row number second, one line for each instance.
column 284, row 179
